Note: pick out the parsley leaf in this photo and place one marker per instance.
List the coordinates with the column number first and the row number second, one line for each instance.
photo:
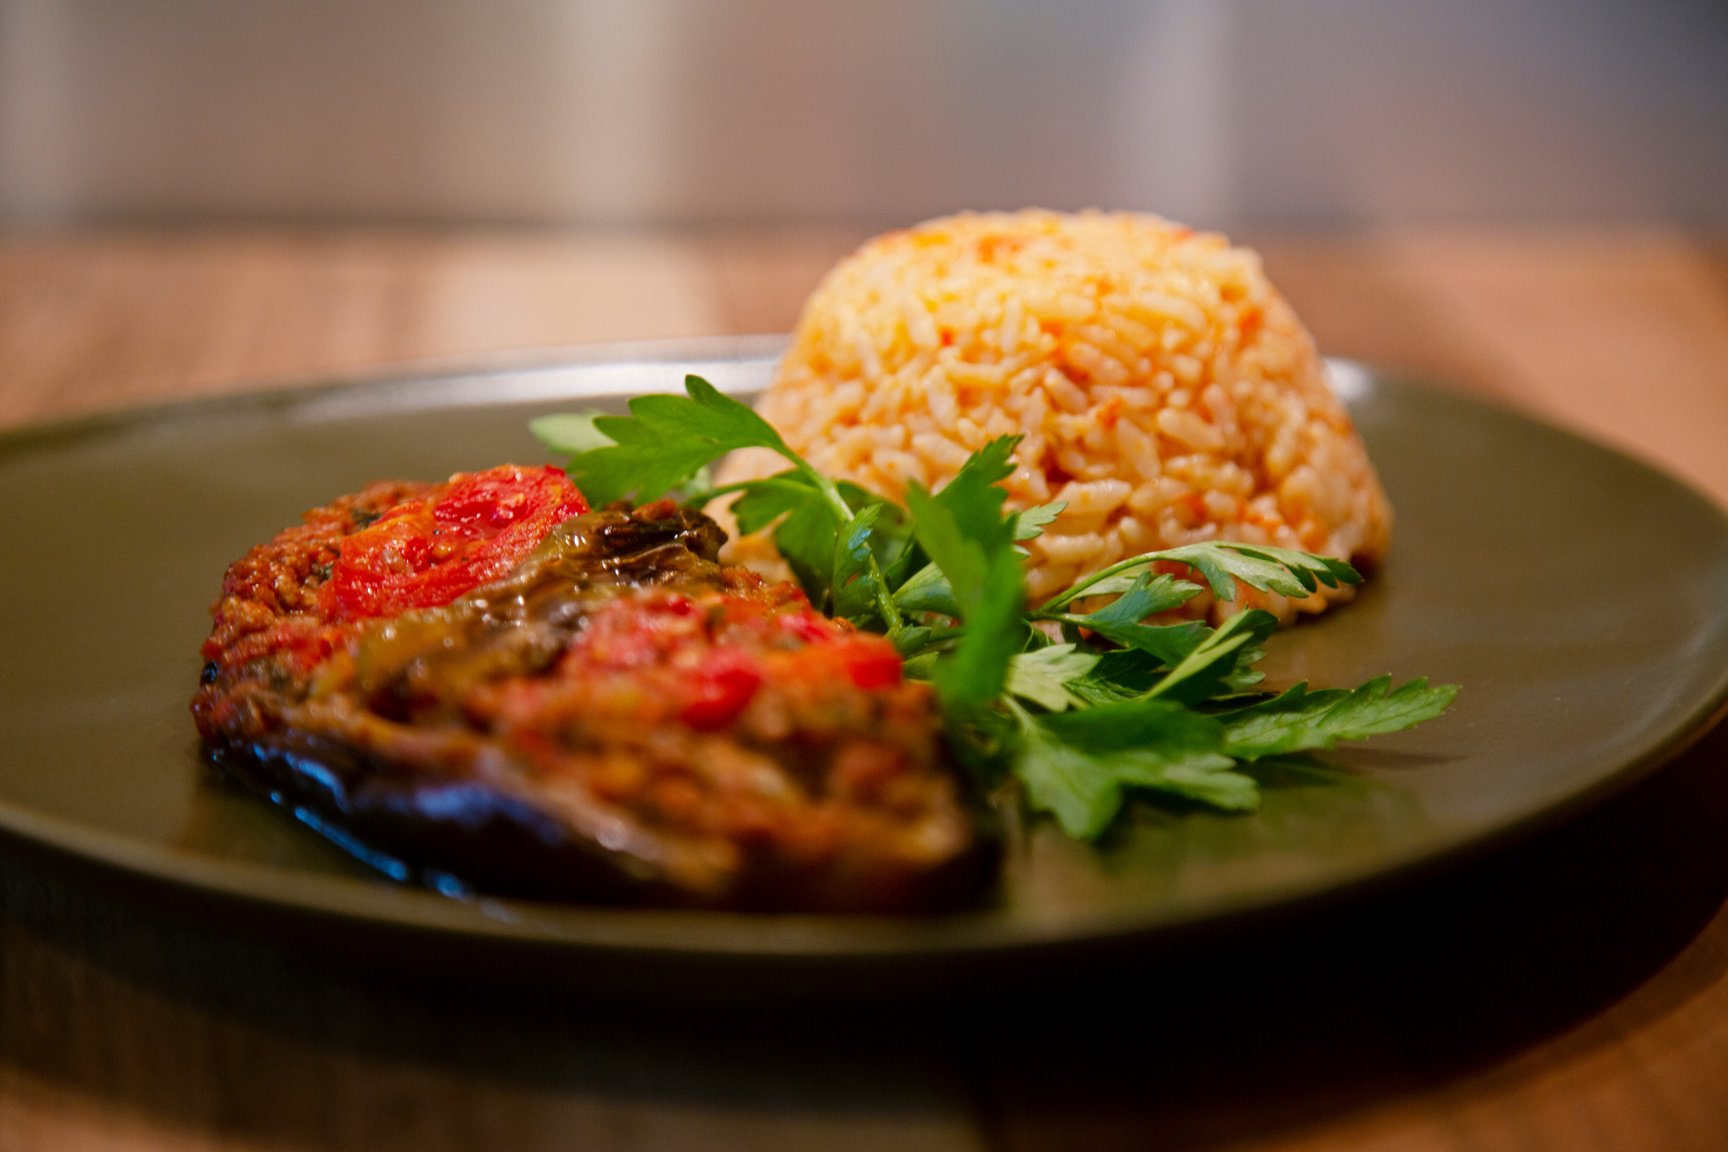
column 1123, row 673
column 1221, row 563
column 569, row 433
column 665, row 440
column 1121, row 620
column 1301, row 721
column 1030, row 524
column 1075, row 765
column 927, row 591
column 575, row 433
column 705, row 414
column 805, row 531
column 975, row 576
column 1043, row 675
column 805, row 539
column 1265, row 568
column 1073, row 784
column 995, row 631
column 764, row 501
column 850, row 591
column 1217, row 659
column 962, row 528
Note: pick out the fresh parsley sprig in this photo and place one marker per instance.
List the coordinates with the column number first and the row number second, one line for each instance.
column 1081, row 698
column 667, row 441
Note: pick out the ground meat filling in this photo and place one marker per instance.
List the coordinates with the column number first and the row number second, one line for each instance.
column 483, row 678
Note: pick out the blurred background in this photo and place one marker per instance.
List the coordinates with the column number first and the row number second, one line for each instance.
column 1226, row 113
column 1527, row 198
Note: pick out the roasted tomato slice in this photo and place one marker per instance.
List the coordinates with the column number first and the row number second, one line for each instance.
column 426, row 553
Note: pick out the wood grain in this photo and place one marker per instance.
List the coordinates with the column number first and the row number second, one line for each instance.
column 94, row 321
column 1621, row 336
column 1571, row 994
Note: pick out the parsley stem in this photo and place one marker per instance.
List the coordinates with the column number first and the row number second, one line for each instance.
column 1058, row 617
column 936, row 639
column 1209, row 652
column 831, row 493
column 1078, row 588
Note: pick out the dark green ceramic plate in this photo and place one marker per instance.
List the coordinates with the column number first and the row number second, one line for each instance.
column 1580, row 598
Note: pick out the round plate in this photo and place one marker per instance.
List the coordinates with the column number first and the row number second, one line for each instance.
column 1580, row 598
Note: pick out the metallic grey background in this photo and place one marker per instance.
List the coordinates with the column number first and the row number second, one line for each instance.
column 1220, row 112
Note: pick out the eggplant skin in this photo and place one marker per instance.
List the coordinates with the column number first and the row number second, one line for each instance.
column 492, row 842
column 618, row 719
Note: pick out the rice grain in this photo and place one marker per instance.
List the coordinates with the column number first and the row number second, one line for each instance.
column 1162, row 386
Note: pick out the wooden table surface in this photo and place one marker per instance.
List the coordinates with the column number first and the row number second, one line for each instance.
column 1568, row 994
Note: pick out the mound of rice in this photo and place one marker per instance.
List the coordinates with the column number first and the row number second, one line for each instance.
column 1165, row 390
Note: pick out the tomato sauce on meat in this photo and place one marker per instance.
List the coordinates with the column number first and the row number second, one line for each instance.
column 426, row 552
column 488, row 679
